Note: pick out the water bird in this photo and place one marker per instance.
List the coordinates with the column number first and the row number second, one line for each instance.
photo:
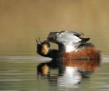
column 75, row 55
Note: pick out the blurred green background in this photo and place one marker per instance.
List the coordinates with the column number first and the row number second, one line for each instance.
column 21, row 21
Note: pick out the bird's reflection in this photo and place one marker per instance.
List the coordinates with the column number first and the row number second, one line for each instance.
column 70, row 76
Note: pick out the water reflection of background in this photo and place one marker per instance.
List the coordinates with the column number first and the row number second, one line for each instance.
column 24, row 20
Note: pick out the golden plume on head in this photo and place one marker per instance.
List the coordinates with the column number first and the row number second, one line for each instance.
column 44, row 49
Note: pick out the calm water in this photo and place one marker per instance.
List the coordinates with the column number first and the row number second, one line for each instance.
column 18, row 73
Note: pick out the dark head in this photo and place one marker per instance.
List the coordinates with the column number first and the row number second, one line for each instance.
column 42, row 47
column 46, row 42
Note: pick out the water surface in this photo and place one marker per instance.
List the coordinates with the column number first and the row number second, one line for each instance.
column 18, row 73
